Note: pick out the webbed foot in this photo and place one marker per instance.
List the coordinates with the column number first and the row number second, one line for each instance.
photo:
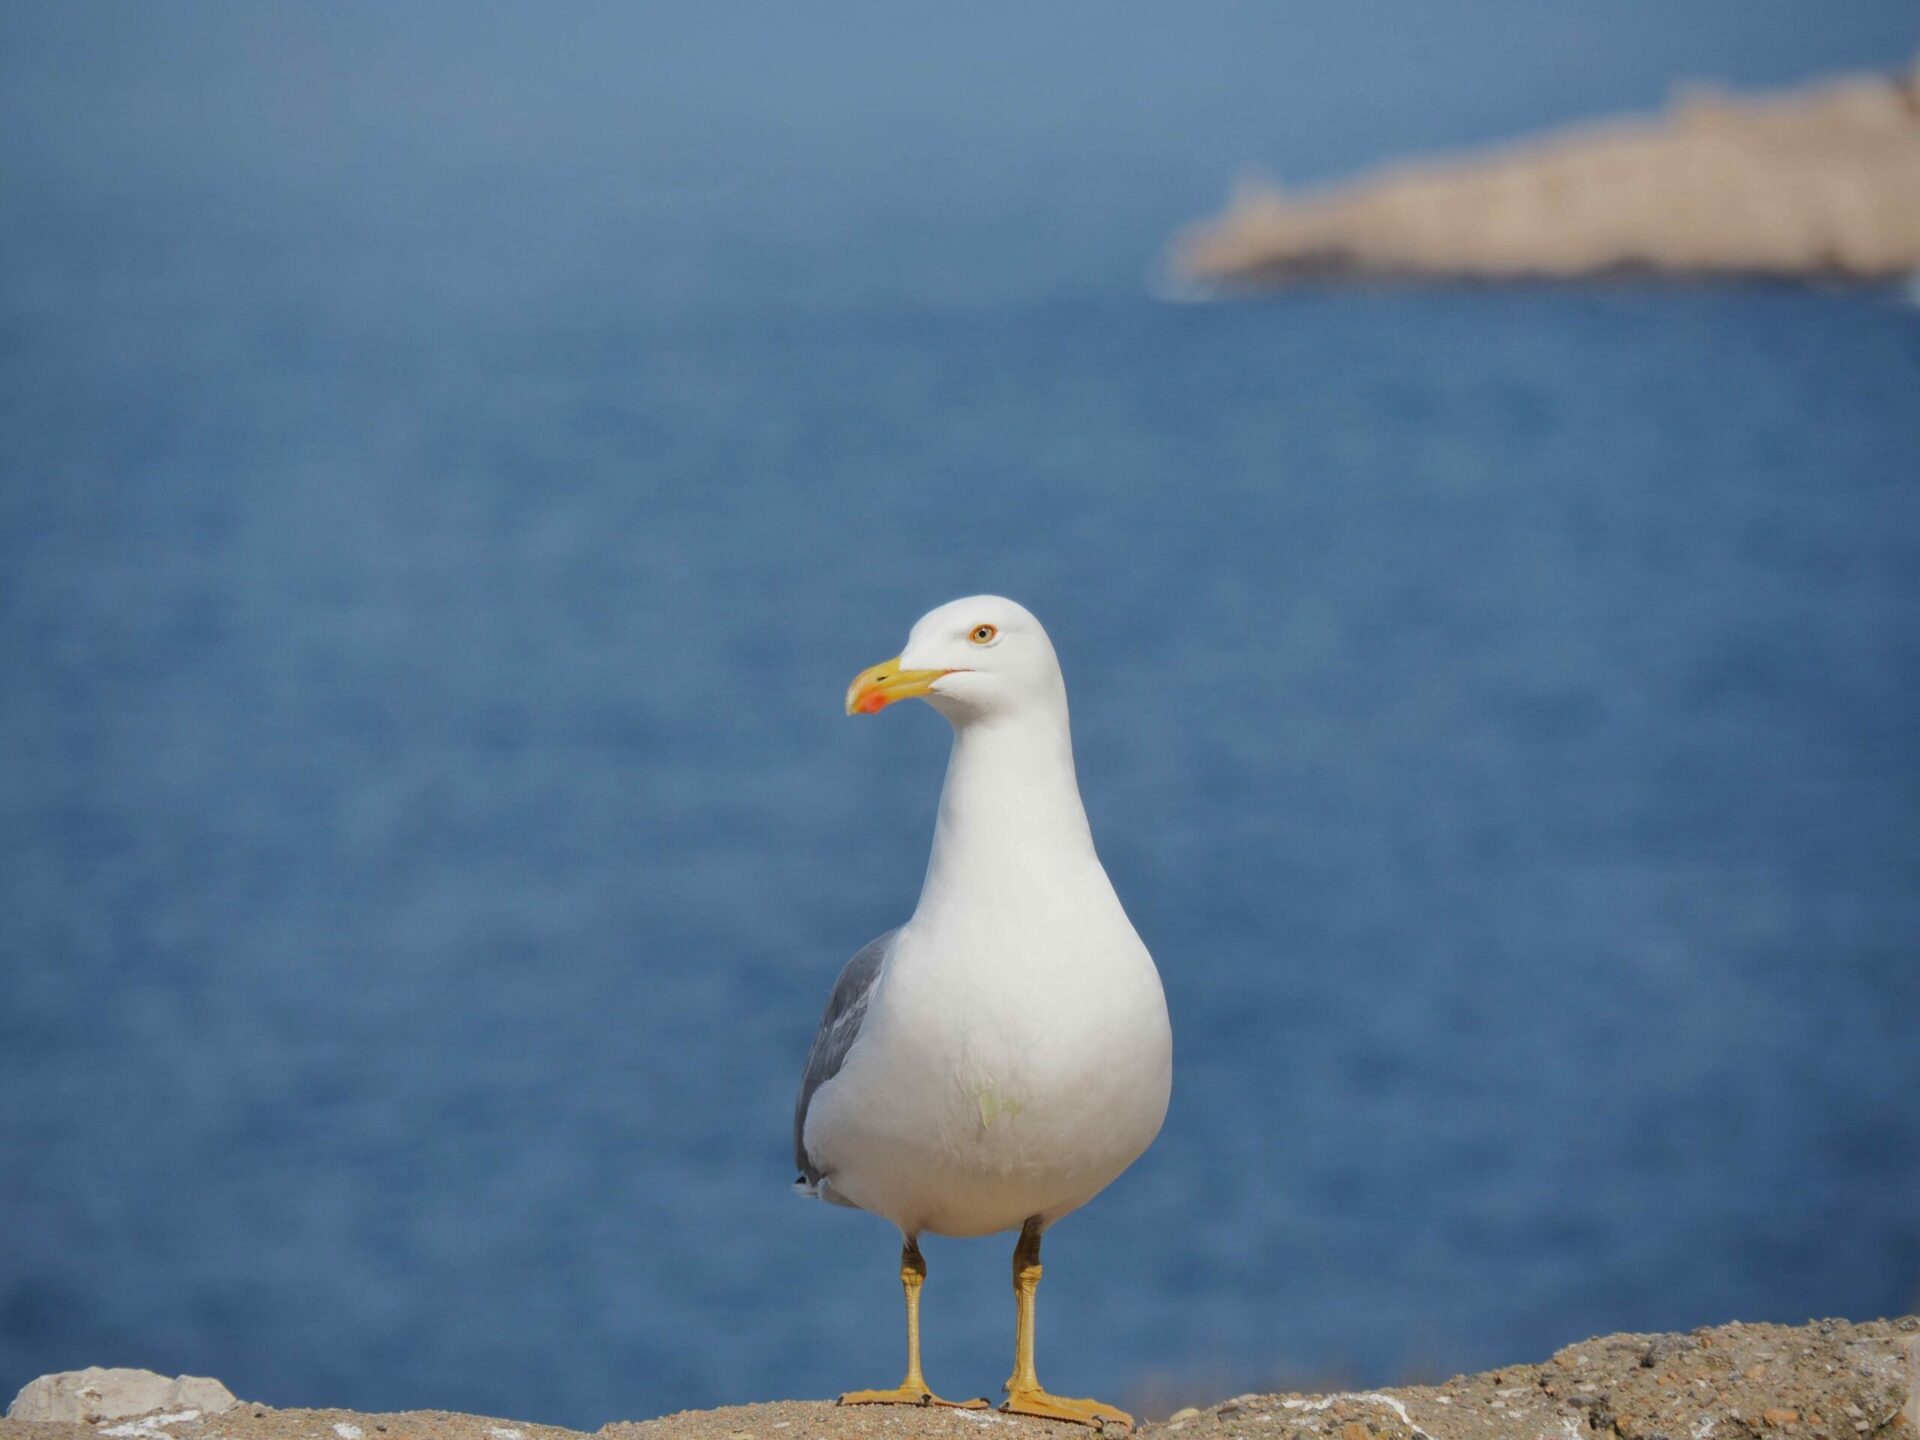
column 1031, row 1400
column 907, row 1395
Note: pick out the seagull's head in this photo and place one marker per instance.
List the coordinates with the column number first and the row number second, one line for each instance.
column 970, row 659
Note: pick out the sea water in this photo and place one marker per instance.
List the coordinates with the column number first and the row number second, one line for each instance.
column 428, row 830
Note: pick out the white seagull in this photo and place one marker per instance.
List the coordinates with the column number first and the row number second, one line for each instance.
column 998, row 1060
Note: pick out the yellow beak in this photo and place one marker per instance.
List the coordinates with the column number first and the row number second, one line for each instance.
column 876, row 688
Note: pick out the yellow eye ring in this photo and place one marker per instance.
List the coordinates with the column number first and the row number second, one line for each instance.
column 983, row 634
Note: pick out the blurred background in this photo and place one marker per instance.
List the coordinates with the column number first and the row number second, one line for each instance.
column 452, row 459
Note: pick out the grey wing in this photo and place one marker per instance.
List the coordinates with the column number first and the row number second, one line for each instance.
column 839, row 1028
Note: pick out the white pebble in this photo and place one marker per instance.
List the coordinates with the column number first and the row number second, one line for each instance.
column 145, row 1428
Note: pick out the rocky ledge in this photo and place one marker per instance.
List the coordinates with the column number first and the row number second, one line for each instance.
column 1829, row 1380
column 1822, row 182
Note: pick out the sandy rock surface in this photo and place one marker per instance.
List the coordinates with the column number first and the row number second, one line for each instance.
column 1822, row 183
column 1829, row 1380
column 818, row 1420
column 263, row 1422
column 1826, row 1381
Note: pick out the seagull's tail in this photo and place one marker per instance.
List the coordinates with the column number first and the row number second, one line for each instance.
column 807, row 1189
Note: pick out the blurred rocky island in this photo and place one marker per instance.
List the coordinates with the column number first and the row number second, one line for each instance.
column 1821, row 182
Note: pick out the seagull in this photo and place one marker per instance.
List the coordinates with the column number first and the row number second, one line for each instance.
column 998, row 1060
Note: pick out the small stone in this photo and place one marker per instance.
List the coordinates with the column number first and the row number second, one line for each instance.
column 1665, row 1348
column 1780, row 1417
column 1229, row 1406
column 1184, row 1414
column 1354, row 1430
column 1754, row 1372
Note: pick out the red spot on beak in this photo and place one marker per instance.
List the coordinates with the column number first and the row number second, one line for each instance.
column 873, row 702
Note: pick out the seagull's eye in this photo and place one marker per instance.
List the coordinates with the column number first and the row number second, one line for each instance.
column 983, row 634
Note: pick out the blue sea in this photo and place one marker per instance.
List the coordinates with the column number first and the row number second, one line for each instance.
column 452, row 460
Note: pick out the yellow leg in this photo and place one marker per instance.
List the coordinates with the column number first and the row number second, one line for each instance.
column 912, row 1390
column 1025, row 1395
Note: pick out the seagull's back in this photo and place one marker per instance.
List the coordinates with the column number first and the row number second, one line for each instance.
column 839, row 1028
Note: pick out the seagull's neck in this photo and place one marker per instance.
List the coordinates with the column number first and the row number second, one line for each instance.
column 1010, row 812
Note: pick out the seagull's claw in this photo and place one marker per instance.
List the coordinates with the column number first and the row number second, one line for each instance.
column 1035, row 1401
column 906, row 1395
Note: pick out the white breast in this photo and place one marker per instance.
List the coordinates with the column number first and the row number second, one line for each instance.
column 1009, row 1066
